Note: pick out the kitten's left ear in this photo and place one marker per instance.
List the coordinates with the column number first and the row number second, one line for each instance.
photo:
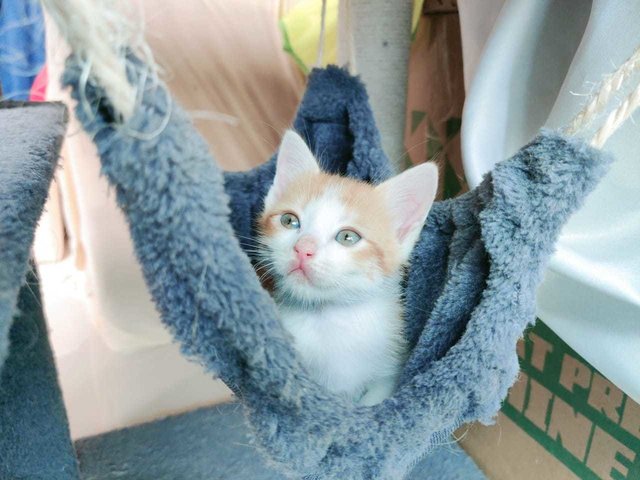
column 409, row 197
column 294, row 158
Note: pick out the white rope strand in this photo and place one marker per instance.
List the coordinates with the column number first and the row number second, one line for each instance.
column 609, row 86
column 351, row 43
column 323, row 18
column 346, row 51
column 616, row 118
column 99, row 35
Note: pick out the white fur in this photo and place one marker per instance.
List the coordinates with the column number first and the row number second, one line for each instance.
column 346, row 320
column 351, row 349
column 294, row 158
column 345, row 315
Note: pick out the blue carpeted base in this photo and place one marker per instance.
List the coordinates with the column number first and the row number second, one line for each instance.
column 213, row 444
column 34, row 434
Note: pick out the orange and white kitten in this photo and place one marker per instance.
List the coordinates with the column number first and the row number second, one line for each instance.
column 335, row 249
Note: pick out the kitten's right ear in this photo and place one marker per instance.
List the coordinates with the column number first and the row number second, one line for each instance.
column 294, row 158
column 409, row 198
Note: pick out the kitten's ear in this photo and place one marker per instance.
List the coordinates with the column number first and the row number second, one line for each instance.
column 294, row 158
column 409, row 197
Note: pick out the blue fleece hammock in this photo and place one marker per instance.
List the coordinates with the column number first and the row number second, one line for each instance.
column 470, row 288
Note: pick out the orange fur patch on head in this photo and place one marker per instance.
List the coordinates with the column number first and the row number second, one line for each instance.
column 374, row 222
column 366, row 203
column 305, row 188
column 265, row 226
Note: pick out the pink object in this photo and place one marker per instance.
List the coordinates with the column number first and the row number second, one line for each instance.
column 305, row 247
column 38, row 91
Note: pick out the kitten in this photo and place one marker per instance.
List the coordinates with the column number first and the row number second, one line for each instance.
column 335, row 249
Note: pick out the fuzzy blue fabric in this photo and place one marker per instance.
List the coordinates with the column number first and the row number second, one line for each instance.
column 470, row 288
column 30, row 139
column 34, row 434
column 212, row 443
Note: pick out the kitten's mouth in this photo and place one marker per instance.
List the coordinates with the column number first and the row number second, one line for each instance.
column 299, row 271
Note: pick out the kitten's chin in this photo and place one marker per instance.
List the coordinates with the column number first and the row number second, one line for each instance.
column 303, row 291
column 299, row 275
column 299, row 289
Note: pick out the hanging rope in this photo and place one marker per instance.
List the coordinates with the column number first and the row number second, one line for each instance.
column 609, row 86
column 323, row 18
column 616, row 118
column 346, row 51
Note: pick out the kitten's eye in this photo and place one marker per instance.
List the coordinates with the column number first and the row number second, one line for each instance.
column 347, row 238
column 289, row 220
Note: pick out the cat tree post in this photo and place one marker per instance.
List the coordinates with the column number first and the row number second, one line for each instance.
column 381, row 35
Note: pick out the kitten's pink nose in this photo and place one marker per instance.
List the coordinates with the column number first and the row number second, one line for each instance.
column 305, row 247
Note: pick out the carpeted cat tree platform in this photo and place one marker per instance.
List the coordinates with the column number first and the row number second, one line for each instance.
column 34, row 435
column 206, row 444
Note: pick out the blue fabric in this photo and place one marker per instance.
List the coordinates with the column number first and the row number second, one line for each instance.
column 34, row 435
column 22, row 52
column 213, row 444
column 34, row 432
column 470, row 288
column 30, row 138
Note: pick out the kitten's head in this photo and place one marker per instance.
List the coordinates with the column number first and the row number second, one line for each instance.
column 327, row 238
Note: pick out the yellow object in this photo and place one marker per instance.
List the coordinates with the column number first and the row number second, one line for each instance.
column 415, row 16
column 300, row 28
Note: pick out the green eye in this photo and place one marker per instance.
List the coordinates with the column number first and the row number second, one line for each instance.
column 347, row 238
column 289, row 220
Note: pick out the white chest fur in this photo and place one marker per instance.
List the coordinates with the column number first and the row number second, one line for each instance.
column 350, row 348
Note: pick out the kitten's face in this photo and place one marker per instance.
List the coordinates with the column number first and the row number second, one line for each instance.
column 328, row 238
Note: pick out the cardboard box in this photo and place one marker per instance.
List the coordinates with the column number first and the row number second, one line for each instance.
column 561, row 420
